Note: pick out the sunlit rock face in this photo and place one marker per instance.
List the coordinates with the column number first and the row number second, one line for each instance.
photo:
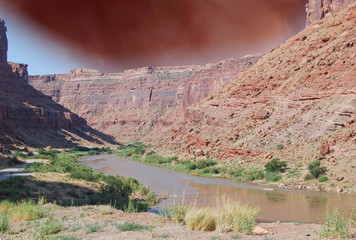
column 130, row 104
column 297, row 103
column 318, row 9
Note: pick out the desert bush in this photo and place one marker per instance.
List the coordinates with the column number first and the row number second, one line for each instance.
column 293, row 173
column 200, row 219
column 323, row 179
column 275, row 165
column 335, row 225
column 273, row 176
column 253, row 174
column 50, row 227
column 315, row 170
column 176, row 212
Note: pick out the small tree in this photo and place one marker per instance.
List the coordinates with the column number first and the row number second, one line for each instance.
column 315, row 170
column 275, row 165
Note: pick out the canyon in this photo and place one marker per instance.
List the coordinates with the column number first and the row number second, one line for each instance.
column 130, row 105
column 297, row 103
column 28, row 117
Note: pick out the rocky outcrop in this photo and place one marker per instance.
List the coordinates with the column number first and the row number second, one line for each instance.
column 318, row 9
column 128, row 105
column 20, row 70
column 31, row 118
column 3, row 43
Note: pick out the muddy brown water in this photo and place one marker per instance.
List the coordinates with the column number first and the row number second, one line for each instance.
column 274, row 204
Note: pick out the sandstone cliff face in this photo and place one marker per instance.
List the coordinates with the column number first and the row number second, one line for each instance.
column 128, row 105
column 29, row 117
column 318, row 9
column 297, row 103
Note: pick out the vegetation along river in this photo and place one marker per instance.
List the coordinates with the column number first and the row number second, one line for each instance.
column 274, row 204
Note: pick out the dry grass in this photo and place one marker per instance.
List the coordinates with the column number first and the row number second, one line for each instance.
column 23, row 211
column 201, row 219
column 227, row 214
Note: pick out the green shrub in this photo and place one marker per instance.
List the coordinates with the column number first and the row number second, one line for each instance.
column 275, row 165
column 273, row 177
column 91, row 228
column 129, row 226
column 176, row 212
column 335, row 225
column 253, row 174
column 293, row 173
column 323, row 179
column 315, row 170
column 201, row 164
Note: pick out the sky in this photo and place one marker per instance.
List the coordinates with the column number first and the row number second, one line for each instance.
column 112, row 35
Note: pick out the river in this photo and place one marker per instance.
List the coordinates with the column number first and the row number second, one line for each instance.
column 274, row 204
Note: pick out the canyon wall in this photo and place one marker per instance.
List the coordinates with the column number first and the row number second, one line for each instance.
column 29, row 117
column 297, row 103
column 129, row 105
column 318, row 9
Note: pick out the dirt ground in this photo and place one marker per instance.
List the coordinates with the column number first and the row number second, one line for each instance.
column 101, row 222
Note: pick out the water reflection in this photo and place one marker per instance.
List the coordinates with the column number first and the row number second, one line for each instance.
column 274, row 204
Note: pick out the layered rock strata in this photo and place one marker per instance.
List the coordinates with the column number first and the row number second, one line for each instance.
column 129, row 105
column 297, row 103
column 30, row 117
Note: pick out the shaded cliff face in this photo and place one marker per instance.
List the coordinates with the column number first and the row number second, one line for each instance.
column 31, row 118
column 3, row 42
column 129, row 105
column 298, row 103
column 318, row 9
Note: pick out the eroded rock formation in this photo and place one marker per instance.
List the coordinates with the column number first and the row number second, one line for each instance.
column 128, row 105
column 318, row 9
column 28, row 116
column 3, row 43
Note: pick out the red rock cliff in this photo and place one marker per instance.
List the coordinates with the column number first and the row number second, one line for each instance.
column 128, row 105
column 26, row 115
column 318, row 9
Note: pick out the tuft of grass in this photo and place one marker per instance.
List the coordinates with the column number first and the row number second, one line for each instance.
column 227, row 215
column 51, row 227
column 201, row 219
column 23, row 211
column 91, row 228
column 130, row 226
column 4, row 222
column 63, row 238
column 353, row 217
column 335, row 225
column 176, row 212
column 232, row 215
column 108, row 210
